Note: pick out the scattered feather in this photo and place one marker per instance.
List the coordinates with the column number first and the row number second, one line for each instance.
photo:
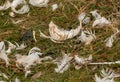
column 39, row 3
column 82, row 61
column 95, row 14
column 20, row 47
column 3, row 54
column 10, row 47
column 54, row 7
column 87, row 37
column 30, row 60
column 63, row 64
column 109, row 41
column 107, row 76
column 24, row 9
column 57, row 35
column 27, row 61
column 99, row 21
column 98, row 79
column 86, row 20
column 2, row 46
column 35, row 50
column 81, row 16
column 109, row 73
column 15, row 46
column 27, row 72
column 6, row 5
column 60, row 34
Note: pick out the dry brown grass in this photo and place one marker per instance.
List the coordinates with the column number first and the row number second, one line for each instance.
column 65, row 17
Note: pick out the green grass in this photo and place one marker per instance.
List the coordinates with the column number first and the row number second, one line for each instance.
column 65, row 17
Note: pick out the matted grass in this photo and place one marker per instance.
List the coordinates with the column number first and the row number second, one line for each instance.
column 65, row 17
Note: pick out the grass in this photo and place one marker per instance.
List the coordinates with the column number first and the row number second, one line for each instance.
column 65, row 17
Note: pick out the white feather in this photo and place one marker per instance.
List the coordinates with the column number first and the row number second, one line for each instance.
column 109, row 41
column 24, row 9
column 31, row 59
column 6, row 5
column 2, row 46
column 95, row 14
column 106, row 76
column 79, row 61
column 39, row 3
column 87, row 37
column 86, row 20
column 35, row 50
column 21, row 46
column 81, row 16
column 3, row 54
column 63, row 64
column 54, row 7
column 99, row 20
column 58, row 35
column 10, row 47
column 82, row 61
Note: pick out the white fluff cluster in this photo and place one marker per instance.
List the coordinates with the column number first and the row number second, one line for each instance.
column 99, row 21
column 87, row 36
column 6, row 5
column 80, row 61
column 109, row 41
column 82, row 17
column 64, row 63
column 54, row 7
column 16, row 46
column 25, row 7
column 107, row 76
column 39, row 3
column 30, row 60
column 4, row 53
